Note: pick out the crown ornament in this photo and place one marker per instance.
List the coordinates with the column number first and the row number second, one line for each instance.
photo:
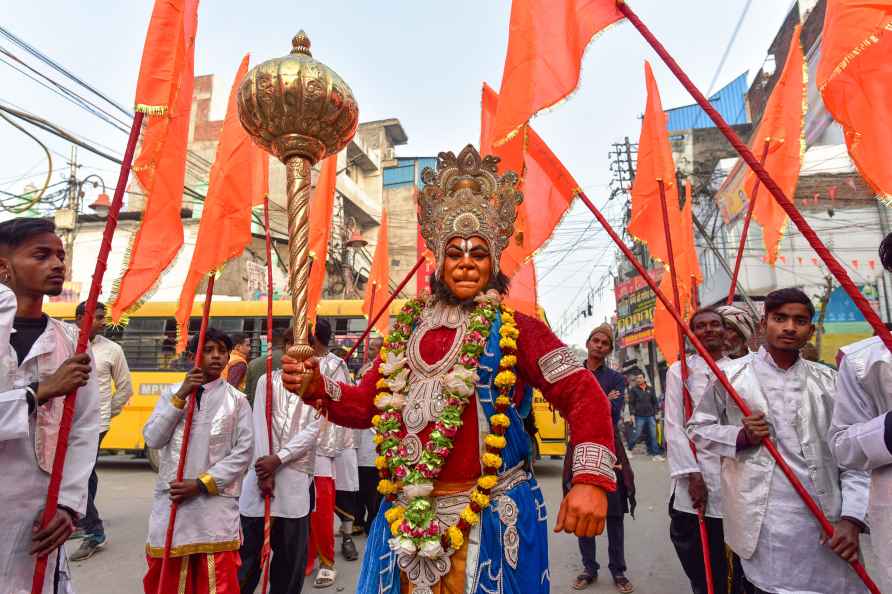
column 466, row 197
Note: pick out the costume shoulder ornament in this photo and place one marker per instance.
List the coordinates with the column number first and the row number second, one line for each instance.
column 466, row 197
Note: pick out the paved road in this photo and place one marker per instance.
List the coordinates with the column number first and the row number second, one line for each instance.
column 125, row 499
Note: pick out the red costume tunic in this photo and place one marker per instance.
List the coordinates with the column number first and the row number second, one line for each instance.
column 543, row 362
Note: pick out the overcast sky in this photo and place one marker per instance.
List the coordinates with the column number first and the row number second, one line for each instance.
column 420, row 61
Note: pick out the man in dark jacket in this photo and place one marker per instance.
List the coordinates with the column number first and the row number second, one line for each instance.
column 599, row 345
column 643, row 406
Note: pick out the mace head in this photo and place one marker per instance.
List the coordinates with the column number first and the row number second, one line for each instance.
column 296, row 106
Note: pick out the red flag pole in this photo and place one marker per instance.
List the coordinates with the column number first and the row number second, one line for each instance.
column 187, row 432
column 713, row 366
column 267, row 511
column 52, row 495
column 365, row 354
column 386, row 307
column 807, row 232
column 686, row 395
column 746, row 227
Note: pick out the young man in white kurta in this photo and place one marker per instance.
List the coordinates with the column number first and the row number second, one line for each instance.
column 31, row 401
column 861, row 437
column 295, row 428
column 702, row 470
column 221, row 444
column 791, row 400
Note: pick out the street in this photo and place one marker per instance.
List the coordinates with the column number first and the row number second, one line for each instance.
column 125, row 494
column 124, row 500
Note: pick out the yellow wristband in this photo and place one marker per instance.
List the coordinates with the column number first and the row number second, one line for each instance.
column 209, row 483
column 178, row 402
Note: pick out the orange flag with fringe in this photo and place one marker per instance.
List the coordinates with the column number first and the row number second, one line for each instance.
column 523, row 293
column 654, row 164
column 855, row 80
column 161, row 164
column 782, row 126
column 239, row 180
column 546, row 42
column 163, row 56
column 548, row 188
column 321, row 208
column 377, row 289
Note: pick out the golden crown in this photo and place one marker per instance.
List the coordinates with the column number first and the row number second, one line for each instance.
column 466, row 197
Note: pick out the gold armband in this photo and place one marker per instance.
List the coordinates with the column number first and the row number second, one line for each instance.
column 178, row 402
column 209, row 483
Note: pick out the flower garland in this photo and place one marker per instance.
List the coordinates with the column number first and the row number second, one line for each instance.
column 414, row 527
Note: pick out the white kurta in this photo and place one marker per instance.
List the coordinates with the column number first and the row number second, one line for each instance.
column 221, row 445
column 293, row 437
column 678, row 450
column 858, row 437
column 25, row 483
column 113, row 377
column 334, row 440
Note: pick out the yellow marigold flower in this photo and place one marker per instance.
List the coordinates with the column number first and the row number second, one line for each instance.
column 378, row 438
column 395, row 527
column 503, row 401
column 381, row 464
column 382, row 384
column 492, row 460
column 495, row 441
column 469, row 516
column 505, row 379
column 383, row 355
column 500, row 420
column 397, row 512
column 386, row 487
column 508, row 343
column 456, row 538
column 507, row 309
column 487, row 481
column 480, row 499
column 509, row 330
column 375, row 420
column 508, row 361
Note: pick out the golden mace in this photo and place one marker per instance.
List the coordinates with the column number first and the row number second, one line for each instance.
column 300, row 111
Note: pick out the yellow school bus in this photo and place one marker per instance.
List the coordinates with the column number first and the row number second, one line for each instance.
column 149, row 343
column 551, row 429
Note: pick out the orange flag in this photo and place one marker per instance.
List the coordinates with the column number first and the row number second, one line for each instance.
column 239, row 180
column 321, row 208
column 546, row 42
column 161, row 164
column 548, row 188
column 855, row 79
column 782, row 127
column 163, row 56
column 522, row 295
column 654, row 163
column 377, row 290
column 665, row 327
column 686, row 261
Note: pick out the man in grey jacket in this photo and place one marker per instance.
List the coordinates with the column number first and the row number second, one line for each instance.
column 779, row 542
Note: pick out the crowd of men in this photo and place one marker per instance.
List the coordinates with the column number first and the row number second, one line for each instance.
column 831, row 427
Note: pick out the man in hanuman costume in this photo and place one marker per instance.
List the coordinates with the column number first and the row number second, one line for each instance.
column 462, row 513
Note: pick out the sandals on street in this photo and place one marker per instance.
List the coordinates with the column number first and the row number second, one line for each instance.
column 623, row 584
column 583, row 581
column 325, row 577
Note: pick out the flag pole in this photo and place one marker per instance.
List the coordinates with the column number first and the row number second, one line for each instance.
column 385, row 307
column 807, row 232
column 187, row 431
column 767, row 443
column 52, row 496
column 267, row 510
column 686, row 395
column 746, row 227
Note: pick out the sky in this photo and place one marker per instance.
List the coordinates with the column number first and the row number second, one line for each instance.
column 420, row 61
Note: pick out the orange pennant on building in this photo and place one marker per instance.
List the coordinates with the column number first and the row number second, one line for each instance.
column 782, row 127
column 654, row 165
column 160, row 166
column 321, row 209
column 546, row 42
column 548, row 188
column 377, row 289
column 239, row 180
column 855, row 80
column 523, row 293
